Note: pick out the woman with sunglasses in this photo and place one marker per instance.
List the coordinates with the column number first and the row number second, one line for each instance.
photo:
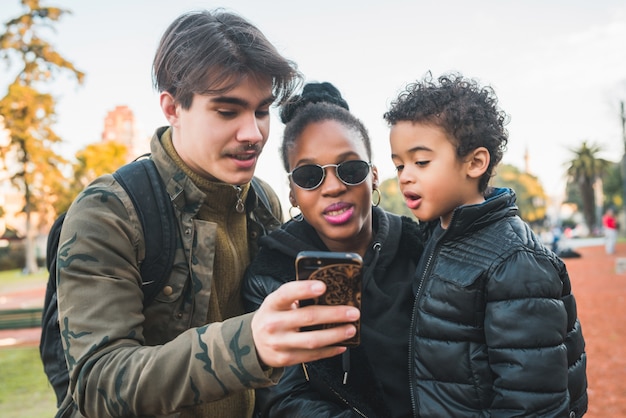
column 326, row 152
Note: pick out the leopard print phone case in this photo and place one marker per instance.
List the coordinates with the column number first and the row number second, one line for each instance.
column 342, row 274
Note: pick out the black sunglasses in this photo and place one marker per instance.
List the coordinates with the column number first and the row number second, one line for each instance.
column 311, row 176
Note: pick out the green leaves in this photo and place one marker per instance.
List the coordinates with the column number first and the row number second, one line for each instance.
column 27, row 113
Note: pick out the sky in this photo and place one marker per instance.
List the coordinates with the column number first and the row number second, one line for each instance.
column 557, row 66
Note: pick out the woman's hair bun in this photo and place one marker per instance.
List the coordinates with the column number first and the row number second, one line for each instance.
column 312, row 93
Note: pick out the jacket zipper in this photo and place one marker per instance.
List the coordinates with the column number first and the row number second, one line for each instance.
column 189, row 281
column 341, row 398
column 423, row 277
column 411, row 336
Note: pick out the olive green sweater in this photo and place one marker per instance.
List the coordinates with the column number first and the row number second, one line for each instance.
column 231, row 249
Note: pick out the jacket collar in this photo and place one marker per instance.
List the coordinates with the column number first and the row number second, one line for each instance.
column 185, row 195
column 499, row 203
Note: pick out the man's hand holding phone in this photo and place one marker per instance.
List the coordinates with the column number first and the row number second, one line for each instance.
column 276, row 326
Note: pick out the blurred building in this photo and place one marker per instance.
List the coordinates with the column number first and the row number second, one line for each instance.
column 120, row 126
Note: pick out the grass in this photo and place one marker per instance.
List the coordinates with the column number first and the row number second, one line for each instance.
column 24, row 388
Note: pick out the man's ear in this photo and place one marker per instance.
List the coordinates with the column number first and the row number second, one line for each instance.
column 478, row 162
column 169, row 108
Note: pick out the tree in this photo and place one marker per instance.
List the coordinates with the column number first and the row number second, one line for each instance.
column 584, row 169
column 572, row 194
column 92, row 161
column 391, row 199
column 612, row 186
column 29, row 114
column 531, row 199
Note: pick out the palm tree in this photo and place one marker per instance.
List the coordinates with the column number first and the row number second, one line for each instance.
column 584, row 169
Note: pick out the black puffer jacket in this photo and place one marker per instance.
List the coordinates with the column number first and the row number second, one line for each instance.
column 390, row 261
column 495, row 329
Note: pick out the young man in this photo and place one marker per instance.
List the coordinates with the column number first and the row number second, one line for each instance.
column 190, row 352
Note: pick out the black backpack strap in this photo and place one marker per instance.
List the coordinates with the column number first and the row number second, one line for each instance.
column 264, row 212
column 50, row 345
column 260, row 192
column 144, row 186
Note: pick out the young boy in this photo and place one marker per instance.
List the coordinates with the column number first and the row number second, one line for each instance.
column 495, row 331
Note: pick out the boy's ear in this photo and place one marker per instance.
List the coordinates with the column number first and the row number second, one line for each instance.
column 478, row 162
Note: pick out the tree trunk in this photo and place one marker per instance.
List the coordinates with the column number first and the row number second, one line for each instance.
column 30, row 262
column 589, row 204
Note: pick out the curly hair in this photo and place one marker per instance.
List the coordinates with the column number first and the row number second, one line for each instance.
column 318, row 102
column 467, row 112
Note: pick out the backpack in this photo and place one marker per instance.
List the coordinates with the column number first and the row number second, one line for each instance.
column 141, row 181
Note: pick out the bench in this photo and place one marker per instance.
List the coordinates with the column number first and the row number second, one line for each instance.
column 20, row 318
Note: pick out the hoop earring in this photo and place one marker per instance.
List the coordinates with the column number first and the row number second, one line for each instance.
column 378, row 195
column 298, row 216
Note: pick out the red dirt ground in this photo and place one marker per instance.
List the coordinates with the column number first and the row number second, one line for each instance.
column 601, row 297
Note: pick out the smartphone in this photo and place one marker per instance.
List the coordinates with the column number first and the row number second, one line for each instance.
column 342, row 274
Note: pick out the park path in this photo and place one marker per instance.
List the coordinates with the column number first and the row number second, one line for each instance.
column 28, row 297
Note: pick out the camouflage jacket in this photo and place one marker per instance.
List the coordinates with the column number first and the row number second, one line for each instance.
column 125, row 361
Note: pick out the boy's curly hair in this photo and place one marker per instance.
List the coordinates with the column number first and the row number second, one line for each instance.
column 467, row 112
